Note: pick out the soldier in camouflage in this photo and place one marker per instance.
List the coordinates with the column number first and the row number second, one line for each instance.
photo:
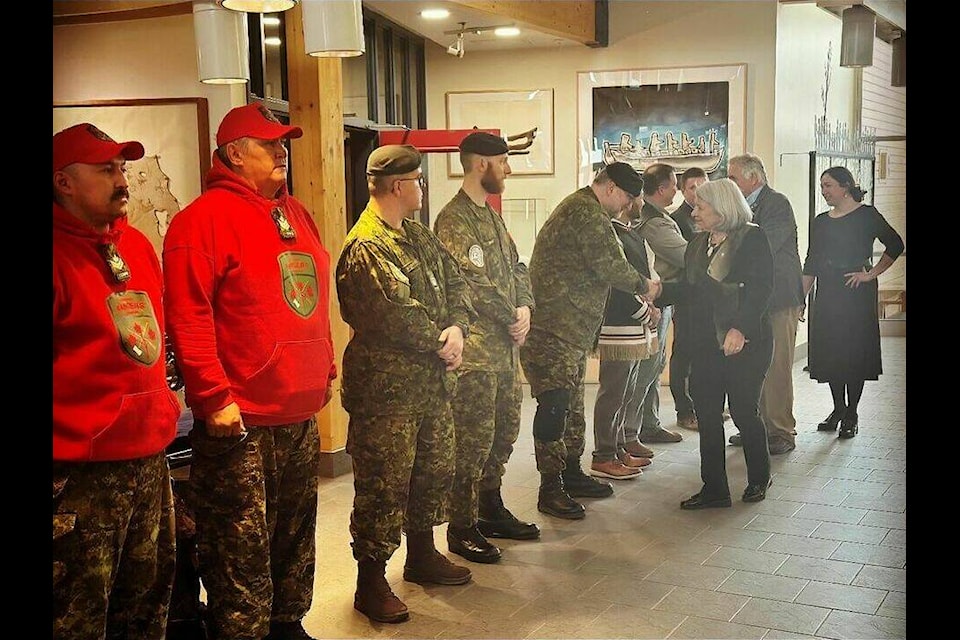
column 575, row 261
column 404, row 297
column 113, row 416
column 487, row 408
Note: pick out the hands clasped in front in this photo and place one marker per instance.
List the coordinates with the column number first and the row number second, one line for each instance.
column 452, row 350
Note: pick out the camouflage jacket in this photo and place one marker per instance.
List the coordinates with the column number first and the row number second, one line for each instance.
column 398, row 289
column 499, row 282
column 576, row 260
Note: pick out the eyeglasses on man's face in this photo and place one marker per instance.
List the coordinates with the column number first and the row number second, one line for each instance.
column 419, row 179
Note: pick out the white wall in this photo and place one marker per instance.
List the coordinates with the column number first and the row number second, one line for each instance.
column 150, row 58
column 643, row 35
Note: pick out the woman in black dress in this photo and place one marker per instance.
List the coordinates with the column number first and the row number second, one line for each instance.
column 844, row 327
column 727, row 283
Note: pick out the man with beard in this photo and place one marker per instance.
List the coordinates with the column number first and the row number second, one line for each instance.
column 576, row 260
column 113, row 415
column 486, row 411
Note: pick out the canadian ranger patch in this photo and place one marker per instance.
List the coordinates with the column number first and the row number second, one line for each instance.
column 133, row 316
column 299, row 274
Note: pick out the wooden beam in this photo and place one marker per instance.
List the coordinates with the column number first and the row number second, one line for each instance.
column 572, row 19
column 315, row 89
column 83, row 12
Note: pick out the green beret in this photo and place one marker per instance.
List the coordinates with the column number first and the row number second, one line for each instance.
column 393, row 160
column 626, row 178
column 484, row 144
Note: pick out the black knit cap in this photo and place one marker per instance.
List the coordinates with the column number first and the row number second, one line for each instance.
column 393, row 160
column 484, row 144
column 626, row 178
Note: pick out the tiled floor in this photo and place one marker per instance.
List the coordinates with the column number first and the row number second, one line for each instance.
column 823, row 556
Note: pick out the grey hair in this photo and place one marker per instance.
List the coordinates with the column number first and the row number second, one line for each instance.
column 751, row 165
column 726, row 199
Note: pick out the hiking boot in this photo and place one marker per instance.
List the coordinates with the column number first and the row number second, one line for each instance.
column 373, row 597
column 426, row 565
column 554, row 500
column 496, row 521
column 577, row 484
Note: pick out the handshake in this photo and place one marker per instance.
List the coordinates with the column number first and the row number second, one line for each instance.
column 654, row 289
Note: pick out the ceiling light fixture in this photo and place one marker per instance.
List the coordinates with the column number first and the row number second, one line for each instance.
column 272, row 42
column 257, row 6
column 333, row 28
column 856, row 37
column 223, row 47
column 456, row 49
column 506, row 32
column 271, row 21
column 434, row 14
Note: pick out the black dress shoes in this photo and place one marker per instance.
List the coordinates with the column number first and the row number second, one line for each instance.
column 699, row 501
column 830, row 424
column 469, row 543
column 849, row 426
column 756, row 492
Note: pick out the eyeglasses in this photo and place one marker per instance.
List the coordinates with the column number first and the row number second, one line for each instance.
column 420, row 180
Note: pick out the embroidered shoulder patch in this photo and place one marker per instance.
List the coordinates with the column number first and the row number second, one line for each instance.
column 476, row 255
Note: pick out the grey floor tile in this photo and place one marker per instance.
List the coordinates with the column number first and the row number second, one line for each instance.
column 746, row 560
column 849, row 532
column 699, row 602
column 842, row 596
column 885, row 556
column 846, row 624
column 696, row 628
column 819, row 569
column 880, row 475
column 826, row 513
column 628, row 589
column 886, row 464
column 779, row 524
column 787, row 616
column 623, row 622
column 786, row 478
column 862, row 489
column 882, row 578
column 895, row 538
column 730, row 537
column 748, row 583
column 689, row 575
column 815, row 496
column 894, row 605
column 885, row 519
column 879, row 503
column 800, row 546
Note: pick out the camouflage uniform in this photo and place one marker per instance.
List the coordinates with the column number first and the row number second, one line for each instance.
column 398, row 290
column 487, row 409
column 233, row 479
column 95, row 504
column 575, row 261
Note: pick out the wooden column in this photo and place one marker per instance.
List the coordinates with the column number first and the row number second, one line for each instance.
column 316, row 105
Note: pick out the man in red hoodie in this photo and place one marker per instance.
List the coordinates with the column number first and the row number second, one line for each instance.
column 113, row 414
column 247, row 292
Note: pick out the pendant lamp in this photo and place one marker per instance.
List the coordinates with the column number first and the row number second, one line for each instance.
column 257, row 6
column 333, row 28
column 856, row 38
column 223, row 47
column 898, row 61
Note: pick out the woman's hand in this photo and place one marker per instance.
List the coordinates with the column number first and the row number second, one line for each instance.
column 733, row 342
column 856, row 278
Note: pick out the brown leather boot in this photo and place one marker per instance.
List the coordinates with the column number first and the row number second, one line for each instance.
column 426, row 565
column 374, row 598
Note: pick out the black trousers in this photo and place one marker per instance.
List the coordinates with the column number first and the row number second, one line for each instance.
column 680, row 360
column 738, row 379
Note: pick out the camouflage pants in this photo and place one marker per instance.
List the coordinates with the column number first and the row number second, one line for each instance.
column 403, row 470
column 114, row 549
column 550, row 363
column 486, row 413
column 255, row 501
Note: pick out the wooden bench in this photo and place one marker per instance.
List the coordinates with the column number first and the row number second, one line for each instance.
column 891, row 297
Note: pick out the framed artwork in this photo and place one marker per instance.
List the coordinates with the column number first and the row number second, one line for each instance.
column 514, row 113
column 685, row 117
column 175, row 134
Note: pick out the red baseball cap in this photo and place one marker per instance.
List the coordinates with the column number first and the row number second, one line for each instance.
column 85, row 143
column 253, row 121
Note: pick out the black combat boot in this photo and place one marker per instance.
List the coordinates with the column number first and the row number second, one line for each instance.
column 580, row 485
column 374, row 597
column 496, row 521
column 469, row 543
column 287, row 631
column 426, row 565
column 554, row 501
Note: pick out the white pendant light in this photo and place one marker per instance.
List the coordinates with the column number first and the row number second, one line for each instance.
column 223, row 48
column 898, row 61
column 258, row 6
column 333, row 28
column 856, row 38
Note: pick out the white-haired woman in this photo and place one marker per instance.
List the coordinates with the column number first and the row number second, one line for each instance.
column 727, row 284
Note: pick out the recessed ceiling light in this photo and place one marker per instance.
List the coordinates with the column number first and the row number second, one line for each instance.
column 271, row 21
column 506, row 32
column 272, row 42
column 434, row 14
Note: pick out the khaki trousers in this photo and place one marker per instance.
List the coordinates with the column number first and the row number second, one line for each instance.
column 776, row 400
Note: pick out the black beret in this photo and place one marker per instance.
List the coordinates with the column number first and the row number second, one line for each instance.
column 484, row 144
column 393, row 160
column 626, row 178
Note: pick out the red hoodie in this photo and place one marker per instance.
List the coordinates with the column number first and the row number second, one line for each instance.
column 248, row 309
column 110, row 394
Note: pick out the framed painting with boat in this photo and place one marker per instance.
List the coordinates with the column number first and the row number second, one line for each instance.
column 685, row 117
